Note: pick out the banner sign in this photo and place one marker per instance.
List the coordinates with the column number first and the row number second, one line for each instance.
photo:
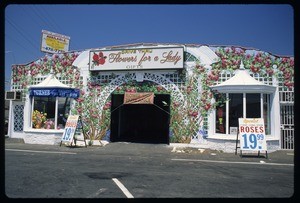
column 137, row 59
column 54, row 92
column 70, row 128
column 138, row 98
column 252, row 134
column 54, row 43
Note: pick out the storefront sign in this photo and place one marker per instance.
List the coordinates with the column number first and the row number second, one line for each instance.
column 252, row 134
column 54, row 92
column 137, row 59
column 139, row 98
column 54, row 43
column 70, row 128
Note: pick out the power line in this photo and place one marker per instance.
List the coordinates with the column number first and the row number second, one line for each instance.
column 51, row 19
column 42, row 18
column 20, row 44
column 21, row 33
column 31, row 16
column 46, row 17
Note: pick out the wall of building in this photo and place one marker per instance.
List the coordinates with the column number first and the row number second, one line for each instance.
column 201, row 70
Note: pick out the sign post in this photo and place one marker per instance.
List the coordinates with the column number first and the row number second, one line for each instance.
column 252, row 135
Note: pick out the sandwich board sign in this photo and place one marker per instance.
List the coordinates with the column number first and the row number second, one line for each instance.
column 70, row 128
column 252, row 134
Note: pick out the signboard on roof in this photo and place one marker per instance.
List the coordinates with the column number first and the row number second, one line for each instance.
column 54, row 42
column 137, row 59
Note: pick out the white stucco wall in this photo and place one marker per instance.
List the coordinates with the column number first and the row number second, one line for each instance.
column 42, row 137
column 206, row 56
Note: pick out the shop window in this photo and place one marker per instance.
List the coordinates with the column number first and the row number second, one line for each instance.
column 266, row 113
column 235, row 110
column 239, row 104
column 50, row 112
column 190, row 57
column 63, row 111
column 253, row 106
column 221, row 115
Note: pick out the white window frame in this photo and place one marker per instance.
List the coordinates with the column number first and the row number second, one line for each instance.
column 226, row 135
column 55, row 117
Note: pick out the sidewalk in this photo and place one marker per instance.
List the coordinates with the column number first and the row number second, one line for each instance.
column 169, row 151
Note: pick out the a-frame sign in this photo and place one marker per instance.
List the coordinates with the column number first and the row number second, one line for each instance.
column 252, row 136
column 73, row 127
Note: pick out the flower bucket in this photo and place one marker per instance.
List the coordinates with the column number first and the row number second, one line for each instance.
column 38, row 125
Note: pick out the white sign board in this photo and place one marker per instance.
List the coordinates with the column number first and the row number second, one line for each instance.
column 70, row 128
column 137, row 59
column 233, row 130
column 54, row 42
column 252, row 134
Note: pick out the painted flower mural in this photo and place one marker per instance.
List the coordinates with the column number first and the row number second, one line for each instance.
column 59, row 64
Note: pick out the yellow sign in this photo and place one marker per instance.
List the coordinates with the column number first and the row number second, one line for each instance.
column 54, row 43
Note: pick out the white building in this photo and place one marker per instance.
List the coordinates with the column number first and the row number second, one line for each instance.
column 200, row 92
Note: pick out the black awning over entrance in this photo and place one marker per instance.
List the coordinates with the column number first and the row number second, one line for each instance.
column 141, row 123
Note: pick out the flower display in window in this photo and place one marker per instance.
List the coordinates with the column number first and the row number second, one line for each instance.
column 38, row 119
column 49, row 124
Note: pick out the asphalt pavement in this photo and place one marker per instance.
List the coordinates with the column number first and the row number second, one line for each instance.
column 119, row 148
column 135, row 170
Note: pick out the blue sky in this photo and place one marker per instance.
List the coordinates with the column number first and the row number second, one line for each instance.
column 268, row 27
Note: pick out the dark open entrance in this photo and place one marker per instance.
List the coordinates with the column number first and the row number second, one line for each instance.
column 142, row 123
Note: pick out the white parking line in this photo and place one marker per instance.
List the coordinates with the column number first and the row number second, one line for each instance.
column 51, row 152
column 233, row 162
column 123, row 188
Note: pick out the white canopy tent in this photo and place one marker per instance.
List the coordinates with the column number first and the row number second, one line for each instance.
column 50, row 82
column 242, row 82
column 51, row 86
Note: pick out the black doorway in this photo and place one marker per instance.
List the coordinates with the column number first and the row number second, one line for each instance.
column 141, row 123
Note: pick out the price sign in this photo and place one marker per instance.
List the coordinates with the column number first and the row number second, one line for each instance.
column 252, row 134
column 70, row 128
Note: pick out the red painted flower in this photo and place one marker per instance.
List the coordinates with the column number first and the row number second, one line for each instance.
column 207, row 107
column 99, row 59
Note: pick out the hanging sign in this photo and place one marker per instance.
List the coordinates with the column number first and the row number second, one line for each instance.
column 137, row 59
column 54, row 42
column 252, row 134
column 139, row 98
column 70, row 128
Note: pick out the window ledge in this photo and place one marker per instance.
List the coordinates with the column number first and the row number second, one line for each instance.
column 46, row 131
column 222, row 137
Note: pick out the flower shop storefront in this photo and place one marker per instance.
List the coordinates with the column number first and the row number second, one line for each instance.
column 192, row 102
